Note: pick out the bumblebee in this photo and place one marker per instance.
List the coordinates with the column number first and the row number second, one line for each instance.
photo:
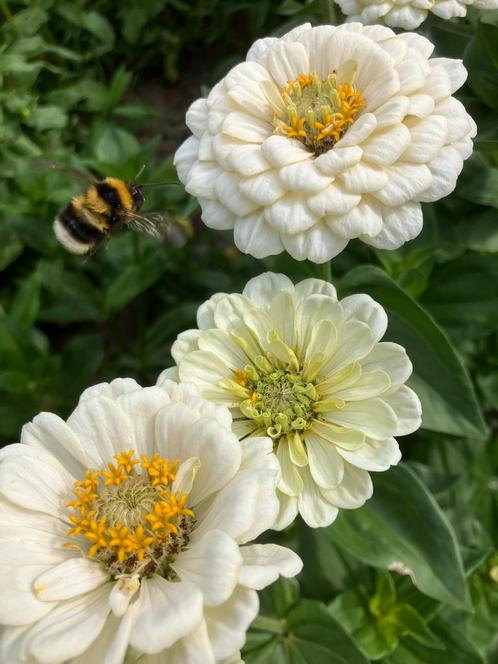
column 93, row 217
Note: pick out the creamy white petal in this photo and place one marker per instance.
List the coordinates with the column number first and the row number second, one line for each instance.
column 212, row 563
column 177, row 437
column 316, row 511
column 325, row 464
column 228, row 623
column 374, row 417
column 165, row 612
column 69, row 579
column 408, row 409
column 355, row 489
column 141, row 407
column 400, row 225
column 264, row 563
column 101, row 424
column 375, row 454
column 70, row 628
column 49, row 432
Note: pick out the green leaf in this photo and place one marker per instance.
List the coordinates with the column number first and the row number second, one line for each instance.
column 116, row 145
column 312, row 636
column 402, row 523
column 17, row 64
column 26, row 303
column 133, row 280
column 457, row 649
column 411, row 622
column 464, row 292
column 449, row 402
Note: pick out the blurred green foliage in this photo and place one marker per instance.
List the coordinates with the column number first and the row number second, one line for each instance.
column 104, row 86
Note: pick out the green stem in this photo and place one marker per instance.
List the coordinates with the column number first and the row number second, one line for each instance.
column 325, row 271
column 5, row 10
column 273, row 625
column 328, row 12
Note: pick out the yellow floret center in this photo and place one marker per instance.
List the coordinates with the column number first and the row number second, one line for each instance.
column 318, row 112
column 128, row 516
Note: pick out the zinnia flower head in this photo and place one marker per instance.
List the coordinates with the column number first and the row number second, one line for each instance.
column 296, row 364
column 325, row 135
column 408, row 14
column 121, row 531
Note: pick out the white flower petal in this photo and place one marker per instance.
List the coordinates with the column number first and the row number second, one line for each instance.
column 373, row 417
column 263, row 288
column 303, row 177
column 316, row 511
column 246, row 127
column 100, row 423
column 22, row 482
column 391, row 358
column 49, row 432
column 228, row 623
column 355, row 489
column 212, row 563
column 318, row 245
column 338, row 160
column 325, row 464
column 333, row 200
column 280, row 151
column 406, row 182
column 363, row 308
column 70, row 628
column 215, row 215
column 286, row 61
column 427, row 138
column 178, row 437
column 290, row 214
column 195, row 118
column 263, row 189
column 374, row 454
column 141, row 407
column 406, row 405
column 229, row 193
column 364, row 219
column 165, row 612
column 385, row 147
column 69, row 579
column 400, row 225
column 364, row 178
column 264, row 563
column 185, row 158
column 245, row 508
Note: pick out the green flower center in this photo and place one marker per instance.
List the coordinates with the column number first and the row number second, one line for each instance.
column 281, row 402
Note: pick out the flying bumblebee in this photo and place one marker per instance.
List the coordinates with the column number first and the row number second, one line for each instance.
column 95, row 216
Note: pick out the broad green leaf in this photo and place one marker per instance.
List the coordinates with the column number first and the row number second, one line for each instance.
column 311, row 636
column 449, row 403
column 26, row 303
column 457, row 648
column 116, row 145
column 403, row 524
column 465, row 292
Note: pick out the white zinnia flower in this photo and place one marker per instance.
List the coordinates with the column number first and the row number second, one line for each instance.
column 408, row 14
column 121, row 531
column 325, row 135
column 298, row 365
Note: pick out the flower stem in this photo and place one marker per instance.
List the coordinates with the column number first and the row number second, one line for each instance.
column 328, row 12
column 325, row 271
column 273, row 625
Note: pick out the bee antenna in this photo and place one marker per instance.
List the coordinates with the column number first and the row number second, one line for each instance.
column 159, row 184
column 142, row 169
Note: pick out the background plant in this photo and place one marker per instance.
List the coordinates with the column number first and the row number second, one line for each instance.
column 105, row 87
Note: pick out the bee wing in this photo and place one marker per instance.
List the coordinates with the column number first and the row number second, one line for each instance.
column 157, row 226
column 76, row 173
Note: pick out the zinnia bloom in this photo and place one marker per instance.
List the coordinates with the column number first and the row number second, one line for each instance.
column 408, row 14
column 121, row 531
column 296, row 364
column 325, row 135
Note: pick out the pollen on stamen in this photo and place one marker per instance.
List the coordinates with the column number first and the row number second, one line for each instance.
column 128, row 517
column 318, row 112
